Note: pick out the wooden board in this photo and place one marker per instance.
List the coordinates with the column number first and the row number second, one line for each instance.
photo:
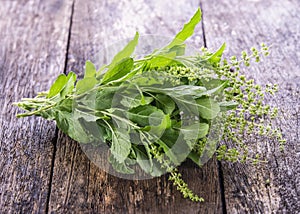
column 42, row 170
column 78, row 185
column 243, row 24
column 33, row 36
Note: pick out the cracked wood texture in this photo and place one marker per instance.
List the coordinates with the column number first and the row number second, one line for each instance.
column 44, row 171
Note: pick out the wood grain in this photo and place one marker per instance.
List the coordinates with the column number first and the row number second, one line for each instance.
column 78, row 185
column 32, row 48
column 243, row 24
column 42, row 170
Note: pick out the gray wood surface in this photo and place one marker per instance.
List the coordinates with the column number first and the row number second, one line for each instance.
column 33, row 37
column 243, row 24
column 44, row 171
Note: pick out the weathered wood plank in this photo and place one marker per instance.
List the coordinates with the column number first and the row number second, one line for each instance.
column 243, row 24
column 33, row 37
column 78, row 185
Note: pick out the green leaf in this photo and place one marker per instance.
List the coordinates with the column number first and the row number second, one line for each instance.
column 145, row 115
column 165, row 103
column 65, row 105
column 143, row 160
column 131, row 96
column 146, row 163
column 95, row 132
column 72, row 127
column 216, row 87
column 57, row 86
column 194, row 156
column 88, row 116
column 118, row 71
column 69, row 86
column 126, row 52
column 187, row 30
column 190, row 132
column 120, row 167
column 104, row 98
column 178, row 91
column 85, row 84
column 228, row 105
column 146, row 100
column 168, row 151
column 178, row 49
column 149, row 78
column 90, row 69
column 121, row 145
column 163, row 122
column 62, row 83
column 162, row 60
column 175, row 146
column 208, row 108
column 129, row 101
column 156, row 118
column 216, row 57
column 184, row 96
column 203, row 130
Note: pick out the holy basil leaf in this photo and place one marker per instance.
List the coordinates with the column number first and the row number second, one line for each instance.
column 145, row 161
column 88, row 116
column 150, row 116
column 163, row 123
column 60, row 83
column 194, row 156
column 147, row 164
column 72, row 127
column 57, row 86
column 118, row 71
column 149, row 78
column 203, row 130
column 178, row 49
column 176, row 149
column 120, row 167
column 69, row 86
column 129, row 101
column 178, row 91
column 140, row 114
column 146, row 100
column 126, row 52
column 165, row 103
column 131, row 96
column 208, row 108
column 90, row 69
column 194, row 131
column 65, row 105
column 121, row 145
column 168, row 151
column 123, row 54
column 214, row 87
column 104, row 98
column 187, row 30
column 85, row 84
column 156, row 118
column 228, row 105
column 216, row 57
column 162, row 60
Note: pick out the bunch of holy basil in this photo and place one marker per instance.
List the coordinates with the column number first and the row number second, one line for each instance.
column 139, row 108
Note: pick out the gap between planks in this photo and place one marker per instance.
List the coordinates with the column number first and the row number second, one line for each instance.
column 219, row 165
column 54, row 141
